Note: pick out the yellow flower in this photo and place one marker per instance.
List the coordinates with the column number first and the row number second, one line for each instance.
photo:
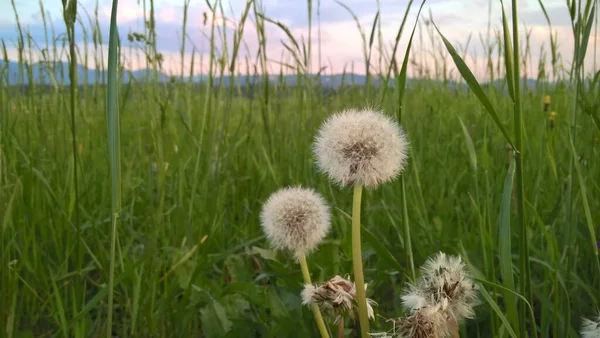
column 547, row 99
column 546, row 103
column 551, row 119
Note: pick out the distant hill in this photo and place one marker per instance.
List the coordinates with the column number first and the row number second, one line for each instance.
column 47, row 73
column 44, row 73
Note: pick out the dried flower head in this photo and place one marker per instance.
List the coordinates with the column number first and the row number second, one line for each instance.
column 361, row 147
column 337, row 295
column 428, row 322
column 444, row 282
column 295, row 219
column 590, row 328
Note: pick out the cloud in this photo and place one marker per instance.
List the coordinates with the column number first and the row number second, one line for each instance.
column 340, row 42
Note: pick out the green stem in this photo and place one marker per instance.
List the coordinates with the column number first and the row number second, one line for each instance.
column 359, row 278
column 520, row 188
column 407, row 239
column 315, row 308
column 114, row 151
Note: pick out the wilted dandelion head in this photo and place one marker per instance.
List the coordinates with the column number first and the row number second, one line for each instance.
column 590, row 328
column 296, row 219
column 444, row 282
column 429, row 322
column 361, row 147
column 337, row 294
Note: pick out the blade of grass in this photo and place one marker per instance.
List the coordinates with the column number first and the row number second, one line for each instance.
column 584, row 199
column 114, row 154
column 525, row 278
column 505, row 248
column 474, row 85
column 401, row 89
column 396, row 43
column 402, row 76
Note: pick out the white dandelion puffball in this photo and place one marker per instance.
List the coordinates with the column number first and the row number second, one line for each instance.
column 295, row 219
column 362, row 147
column 590, row 328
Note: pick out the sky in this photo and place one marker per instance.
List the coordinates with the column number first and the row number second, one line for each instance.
column 461, row 21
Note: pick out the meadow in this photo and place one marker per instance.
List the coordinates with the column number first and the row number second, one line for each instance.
column 130, row 206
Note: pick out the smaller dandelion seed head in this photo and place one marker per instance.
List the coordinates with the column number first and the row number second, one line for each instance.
column 362, row 147
column 428, row 322
column 295, row 219
column 590, row 328
column 337, row 295
column 444, row 282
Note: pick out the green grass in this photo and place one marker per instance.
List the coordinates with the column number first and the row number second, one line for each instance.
column 188, row 252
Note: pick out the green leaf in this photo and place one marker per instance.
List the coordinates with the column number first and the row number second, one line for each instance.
column 250, row 291
column 488, row 298
column 214, row 320
column 403, row 70
column 238, row 269
column 382, row 252
column 264, row 253
column 505, row 248
column 586, row 36
column 372, row 37
column 470, row 146
column 114, row 150
column 586, row 205
column 508, row 55
column 474, row 85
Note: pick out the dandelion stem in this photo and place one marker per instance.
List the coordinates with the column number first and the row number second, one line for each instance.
column 359, row 278
column 341, row 326
column 315, row 307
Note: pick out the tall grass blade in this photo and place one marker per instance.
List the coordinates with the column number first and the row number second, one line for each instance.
column 474, row 85
column 505, row 248
column 403, row 70
column 508, row 55
column 584, row 199
column 114, row 154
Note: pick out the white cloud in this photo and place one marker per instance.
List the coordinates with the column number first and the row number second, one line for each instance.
column 341, row 44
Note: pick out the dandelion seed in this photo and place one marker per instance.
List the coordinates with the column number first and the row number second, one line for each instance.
column 362, row 147
column 337, row 295
column 444, row 282
column 175, row 148
column 590, row 328
column 295, row 219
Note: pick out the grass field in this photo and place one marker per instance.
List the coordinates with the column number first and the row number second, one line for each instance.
column 196, row 163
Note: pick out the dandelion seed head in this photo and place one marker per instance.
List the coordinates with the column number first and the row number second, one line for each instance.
column 414, row 298
column 361, row 147
column 337, row 295
column 590, row 328
column 429, row 322
column 444, row 282
column 295, row 219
